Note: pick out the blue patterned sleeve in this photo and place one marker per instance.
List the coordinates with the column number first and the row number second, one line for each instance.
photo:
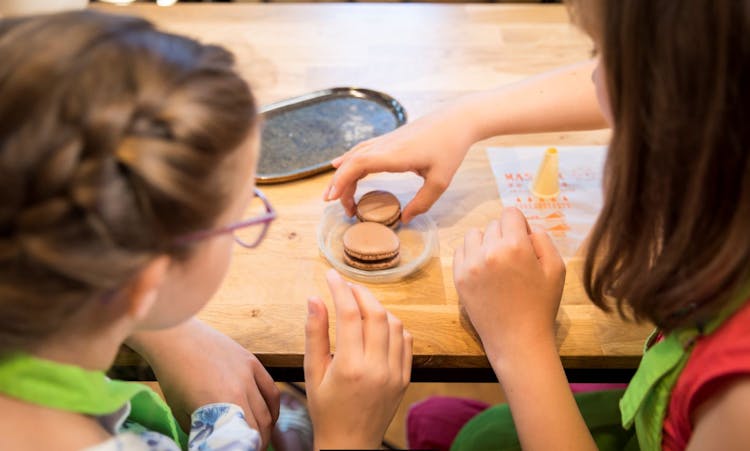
column 221, row 427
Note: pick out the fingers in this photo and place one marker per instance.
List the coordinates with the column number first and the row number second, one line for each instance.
column 360, row 163
column 345, row 191
column 514, row 227
column 261, row 416
column 348, row 317
column 375, row 325
column 268, row 390
column 336, row 162
column 249, row 418
column 465, row 256
column 395, row 345
column 547, row 253
column 347, row 199
column 385, row 340
column 472, row 242
column 349, row 172
column 407, row 355
column 458, row 258
column 427, row 195
column 493, row 234
column 400, row 350
column 317, row 343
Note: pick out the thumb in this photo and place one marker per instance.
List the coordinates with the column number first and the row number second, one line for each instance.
column 317, row 344
column 423, row 200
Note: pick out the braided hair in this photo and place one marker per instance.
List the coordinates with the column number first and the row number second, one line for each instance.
column 114, row 140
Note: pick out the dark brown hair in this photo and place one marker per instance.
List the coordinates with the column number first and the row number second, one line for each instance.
column 114, row 140
column 672, row 243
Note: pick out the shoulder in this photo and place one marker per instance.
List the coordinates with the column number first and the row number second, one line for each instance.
column 721, row 421
column 717, row 362
column 716, row 359
column 63, row 430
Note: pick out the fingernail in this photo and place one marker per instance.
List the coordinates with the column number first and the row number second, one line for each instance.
column 332, row 274
column 311, row 307
column 325, row 193
column 336, row 161
column 332, row 192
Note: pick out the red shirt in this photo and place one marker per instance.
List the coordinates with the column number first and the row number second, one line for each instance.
column 717, row 360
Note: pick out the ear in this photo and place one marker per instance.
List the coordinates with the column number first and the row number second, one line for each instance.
column 144, row 288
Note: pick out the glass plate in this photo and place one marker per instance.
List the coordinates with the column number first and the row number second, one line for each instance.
column 419, row 242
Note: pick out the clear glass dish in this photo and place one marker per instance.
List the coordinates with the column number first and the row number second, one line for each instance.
column 419, row 242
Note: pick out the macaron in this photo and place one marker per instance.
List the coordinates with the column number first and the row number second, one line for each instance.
column 371, row 246
column 379, row 206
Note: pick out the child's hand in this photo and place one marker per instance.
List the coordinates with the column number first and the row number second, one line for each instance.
column 197, row 365
column 353, row 395
column 510, row 282
column 432, row 147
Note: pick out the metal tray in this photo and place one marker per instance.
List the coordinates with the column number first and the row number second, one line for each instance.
column 303, row 134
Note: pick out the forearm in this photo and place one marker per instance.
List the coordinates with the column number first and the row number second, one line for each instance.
column 540, row 399
column 560, row 100
column 150, row 343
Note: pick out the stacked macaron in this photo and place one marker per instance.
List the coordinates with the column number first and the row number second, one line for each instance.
column 372, row 245
column 381, row 207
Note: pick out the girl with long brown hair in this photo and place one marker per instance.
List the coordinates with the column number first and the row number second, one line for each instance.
column 671, row 245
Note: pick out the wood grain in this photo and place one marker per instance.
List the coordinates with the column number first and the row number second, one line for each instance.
column 423, row 55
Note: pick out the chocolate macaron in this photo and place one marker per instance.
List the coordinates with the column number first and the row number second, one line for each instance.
column 371, row 246
column 381, row 207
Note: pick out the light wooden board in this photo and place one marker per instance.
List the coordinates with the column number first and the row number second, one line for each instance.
column 424, row 55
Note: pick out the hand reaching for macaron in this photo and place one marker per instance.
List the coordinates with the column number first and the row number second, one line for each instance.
column 431, row 147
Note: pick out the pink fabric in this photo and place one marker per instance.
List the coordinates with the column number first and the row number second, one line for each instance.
column 585, row 388
column 434, row 423
column 717, row 361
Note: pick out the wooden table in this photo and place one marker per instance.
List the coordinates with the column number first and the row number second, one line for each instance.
column 423, row 55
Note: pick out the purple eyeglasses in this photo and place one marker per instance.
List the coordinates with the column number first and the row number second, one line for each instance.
column 263, row 219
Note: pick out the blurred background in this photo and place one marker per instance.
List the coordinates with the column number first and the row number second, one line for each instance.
column 171, row 2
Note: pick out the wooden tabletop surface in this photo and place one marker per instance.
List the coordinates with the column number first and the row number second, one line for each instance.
column 423, row 55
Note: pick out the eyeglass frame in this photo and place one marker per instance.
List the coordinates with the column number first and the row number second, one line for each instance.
column 264, row 219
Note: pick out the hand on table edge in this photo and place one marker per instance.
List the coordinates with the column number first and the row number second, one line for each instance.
column 353, row 394
column 197, row 365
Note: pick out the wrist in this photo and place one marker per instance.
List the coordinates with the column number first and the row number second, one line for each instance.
column 523, row 351
column 483, row 118
column 149, row 343
column 462, row 117
column 336, row 436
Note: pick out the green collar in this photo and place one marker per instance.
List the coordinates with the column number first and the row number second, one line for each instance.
column 646, row 399
column 73, row 389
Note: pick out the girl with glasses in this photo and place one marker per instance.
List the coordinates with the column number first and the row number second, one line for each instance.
column 127, row 159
